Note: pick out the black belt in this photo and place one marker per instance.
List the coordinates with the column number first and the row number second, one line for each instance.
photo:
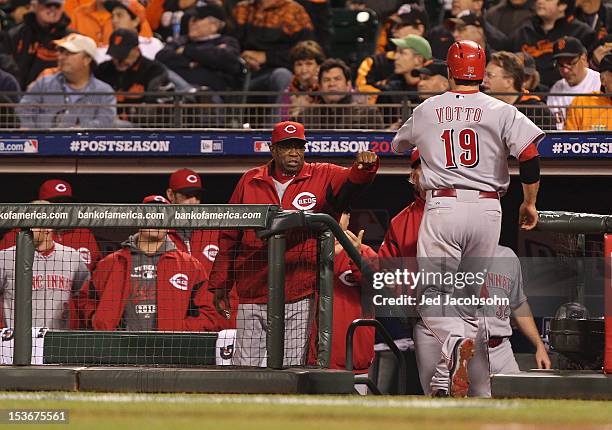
column 495, row 341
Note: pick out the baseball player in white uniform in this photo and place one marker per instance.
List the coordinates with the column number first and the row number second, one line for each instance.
column 58, row 274
column 464, row 138
column 492, row 351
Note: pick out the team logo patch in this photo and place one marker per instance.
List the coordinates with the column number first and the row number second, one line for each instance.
column 226, row 352
column 290, row 128
column 180, row 281
column 304, row 201
column 192, row 179
column 61, row 188
column 210, row 252
column 85, row 255
column 7, row 334
column 348, row 279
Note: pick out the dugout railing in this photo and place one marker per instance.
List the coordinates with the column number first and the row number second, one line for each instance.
column 126, row 348
column 253, row 110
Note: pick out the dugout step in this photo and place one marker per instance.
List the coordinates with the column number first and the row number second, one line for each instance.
column 553, row 384
column 38, row 378
column 226, row 380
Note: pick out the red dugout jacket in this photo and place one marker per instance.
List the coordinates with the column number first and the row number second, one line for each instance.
column 204, row 246
column 178, row 309
column 403, row 234
column 242, row 261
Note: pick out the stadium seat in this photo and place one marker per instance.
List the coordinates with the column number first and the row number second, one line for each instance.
column 354, row 35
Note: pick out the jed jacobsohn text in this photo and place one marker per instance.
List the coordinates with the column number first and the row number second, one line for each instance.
column 398, row 277
column 446, row 300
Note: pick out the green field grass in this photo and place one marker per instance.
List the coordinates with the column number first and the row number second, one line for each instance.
column 183, row 411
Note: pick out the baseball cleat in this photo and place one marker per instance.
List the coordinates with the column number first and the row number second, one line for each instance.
column 458, row 372
column 439, row 393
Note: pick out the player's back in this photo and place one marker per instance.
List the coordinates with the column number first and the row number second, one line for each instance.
column 464, row 139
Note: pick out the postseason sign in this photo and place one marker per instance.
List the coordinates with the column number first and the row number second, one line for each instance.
column 190, row 143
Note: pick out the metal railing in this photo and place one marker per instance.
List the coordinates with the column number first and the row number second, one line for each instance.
column 257, row 110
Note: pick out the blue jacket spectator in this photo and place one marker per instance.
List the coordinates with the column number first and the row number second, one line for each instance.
column 76, row 104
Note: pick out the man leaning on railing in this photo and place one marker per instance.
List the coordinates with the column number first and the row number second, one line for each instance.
column 76, row 98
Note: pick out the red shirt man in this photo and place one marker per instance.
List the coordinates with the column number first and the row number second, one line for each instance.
column 242, row 263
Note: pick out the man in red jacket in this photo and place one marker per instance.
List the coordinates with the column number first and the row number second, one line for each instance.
column 81, row 239
column 401, row 238
column 185, row 188
column 149, row 285
column 242, row 262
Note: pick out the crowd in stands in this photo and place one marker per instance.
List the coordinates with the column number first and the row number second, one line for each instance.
column 118, row 50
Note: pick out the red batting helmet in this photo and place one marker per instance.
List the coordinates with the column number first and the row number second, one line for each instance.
column 466, row 60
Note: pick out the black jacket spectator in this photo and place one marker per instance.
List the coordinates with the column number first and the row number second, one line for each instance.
column 600, row 22
column 532, row 38
column 274, row 30
column 507, row 17
column 214, row 62
column 143, row 75
column 31, row 46
column 440, row 39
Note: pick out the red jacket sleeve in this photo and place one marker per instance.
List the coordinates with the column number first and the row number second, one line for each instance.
column 202, row 315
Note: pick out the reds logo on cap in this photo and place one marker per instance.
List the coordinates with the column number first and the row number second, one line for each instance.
column 185, row 179
column 288, row 130
column 53, row 189
column 156, row 199
column 304, row 201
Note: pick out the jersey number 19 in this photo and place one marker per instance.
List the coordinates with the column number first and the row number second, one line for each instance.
column 468, row 144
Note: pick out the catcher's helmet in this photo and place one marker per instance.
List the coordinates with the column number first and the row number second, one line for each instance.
column 466, row 60
column 572, row 311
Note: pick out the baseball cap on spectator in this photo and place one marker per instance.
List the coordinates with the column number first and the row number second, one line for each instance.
column 121, row 43
column 464, row 18
column 209, row 9
column 435, row 67
column 55, row 191
column 135, row 9
column 288, row 131
column 75, row 42
column 186, row 181
column 46, row 2
column 529, row 64
column 418, row 44
column 568, row 46
column 411, row 14
column 14, row 4
column 415, row 158
column 605, row 65
column 155, row 199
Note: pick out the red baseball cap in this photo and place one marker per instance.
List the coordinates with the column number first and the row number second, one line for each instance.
column 186, row 181
column 415, row 158
column 156, row 199
column 288, row 130
column 55, row 190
